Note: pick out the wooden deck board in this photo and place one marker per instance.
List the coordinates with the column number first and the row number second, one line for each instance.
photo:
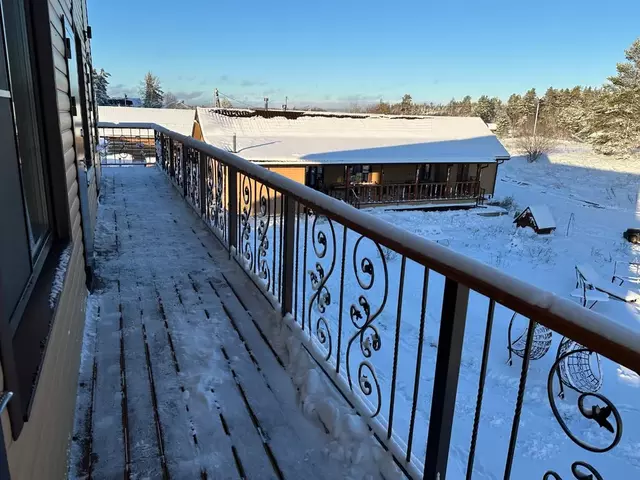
column 184, row 386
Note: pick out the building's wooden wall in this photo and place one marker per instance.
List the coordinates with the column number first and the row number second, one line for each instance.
column 405, row 173
column 488, row 178
column 333, row 174
column 197, row 131
column 40, row 452
column 294, row 173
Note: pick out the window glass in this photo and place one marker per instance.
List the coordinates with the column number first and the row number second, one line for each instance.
column 32, row 171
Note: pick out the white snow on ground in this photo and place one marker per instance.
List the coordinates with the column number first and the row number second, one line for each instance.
column 593, row 200
column 58, row 279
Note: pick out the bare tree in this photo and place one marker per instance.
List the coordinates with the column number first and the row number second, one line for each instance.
column 534, row 146
column 170, row 100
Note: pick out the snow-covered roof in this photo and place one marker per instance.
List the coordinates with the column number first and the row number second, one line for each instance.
column 177, row 119
column 339, row 138
column 542, row 216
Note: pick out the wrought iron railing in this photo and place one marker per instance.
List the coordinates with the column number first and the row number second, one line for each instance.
column 126, row 146
column 398, row 193
column 383, row 312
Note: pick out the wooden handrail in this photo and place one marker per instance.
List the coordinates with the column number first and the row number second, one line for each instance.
column 593, row 330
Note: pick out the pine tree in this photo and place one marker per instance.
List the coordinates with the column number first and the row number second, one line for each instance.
column 614, row 127
column 406, row 105
column 466, row 107
column 515, row 111
column 151, row 91
column 529, row 105
column 485, row 108
column 503, row 126
column 100, row 84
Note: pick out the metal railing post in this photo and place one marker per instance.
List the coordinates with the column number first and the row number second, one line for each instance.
column 172, row 165
column 183, row 160
column 202, row 168
column 445, row 383
column 163, row 163
column 232, row 206
column 288, row 249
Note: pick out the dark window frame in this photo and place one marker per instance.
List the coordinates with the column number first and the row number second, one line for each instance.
column 25, row 333
column 82, row 102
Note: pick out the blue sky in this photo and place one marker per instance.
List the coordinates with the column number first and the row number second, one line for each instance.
column 332, row 53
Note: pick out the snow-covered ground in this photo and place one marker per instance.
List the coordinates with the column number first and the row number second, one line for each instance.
column 593, row 199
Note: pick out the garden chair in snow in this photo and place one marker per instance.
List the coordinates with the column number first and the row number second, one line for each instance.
column 579, row 371
column 588, row 282
column 542, row 337
column 631, row 272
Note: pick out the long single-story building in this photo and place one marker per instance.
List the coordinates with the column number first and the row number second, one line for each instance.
column 361, row 158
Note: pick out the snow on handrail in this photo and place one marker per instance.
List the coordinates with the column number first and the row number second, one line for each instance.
column 593, row 330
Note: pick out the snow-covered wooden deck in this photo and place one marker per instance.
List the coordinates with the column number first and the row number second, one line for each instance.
column 177, row 380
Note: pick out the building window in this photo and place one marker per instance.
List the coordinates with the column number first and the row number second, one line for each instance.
column 360, row 173
column 30, row 247
column 315, row 178
column 20, row 115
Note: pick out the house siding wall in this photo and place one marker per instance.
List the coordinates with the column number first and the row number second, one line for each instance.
column 405, row 173
column 197, row 132
column 40, row 452
column 488, row 179
column 294, row 173
column 333, row 174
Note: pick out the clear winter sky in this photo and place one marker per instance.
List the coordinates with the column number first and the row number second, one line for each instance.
column 336, row 52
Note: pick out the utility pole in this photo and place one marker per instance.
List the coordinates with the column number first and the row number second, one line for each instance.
column 535, row 122
column 286, row 101
column 216, row 98
column 266, row 103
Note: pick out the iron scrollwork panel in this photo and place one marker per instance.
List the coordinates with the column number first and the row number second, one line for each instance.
column 257, row 218
column 177, row 161
column 363, row 314
column 602, row 411
column 158, row 146
column 192, row 170
column 215, row 185
column 246, row 220
column 323, row 241
column 262, row 224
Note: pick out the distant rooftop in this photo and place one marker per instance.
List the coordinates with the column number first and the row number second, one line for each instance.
column 177, row 119
column 281, row 137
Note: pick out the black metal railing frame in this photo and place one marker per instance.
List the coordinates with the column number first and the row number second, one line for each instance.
column 184, row 159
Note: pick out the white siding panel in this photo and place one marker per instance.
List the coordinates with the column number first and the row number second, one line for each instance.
column 64, row 104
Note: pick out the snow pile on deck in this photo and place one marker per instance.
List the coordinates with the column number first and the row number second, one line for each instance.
column 352, row 440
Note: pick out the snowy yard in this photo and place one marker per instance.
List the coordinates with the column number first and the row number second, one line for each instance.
column 593, row 200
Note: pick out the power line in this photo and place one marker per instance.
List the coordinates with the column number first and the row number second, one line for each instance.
column 231, row 99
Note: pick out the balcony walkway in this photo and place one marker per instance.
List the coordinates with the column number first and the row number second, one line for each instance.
column 177, row 381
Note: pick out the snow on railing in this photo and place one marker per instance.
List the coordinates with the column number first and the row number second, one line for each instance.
column 385, row 314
